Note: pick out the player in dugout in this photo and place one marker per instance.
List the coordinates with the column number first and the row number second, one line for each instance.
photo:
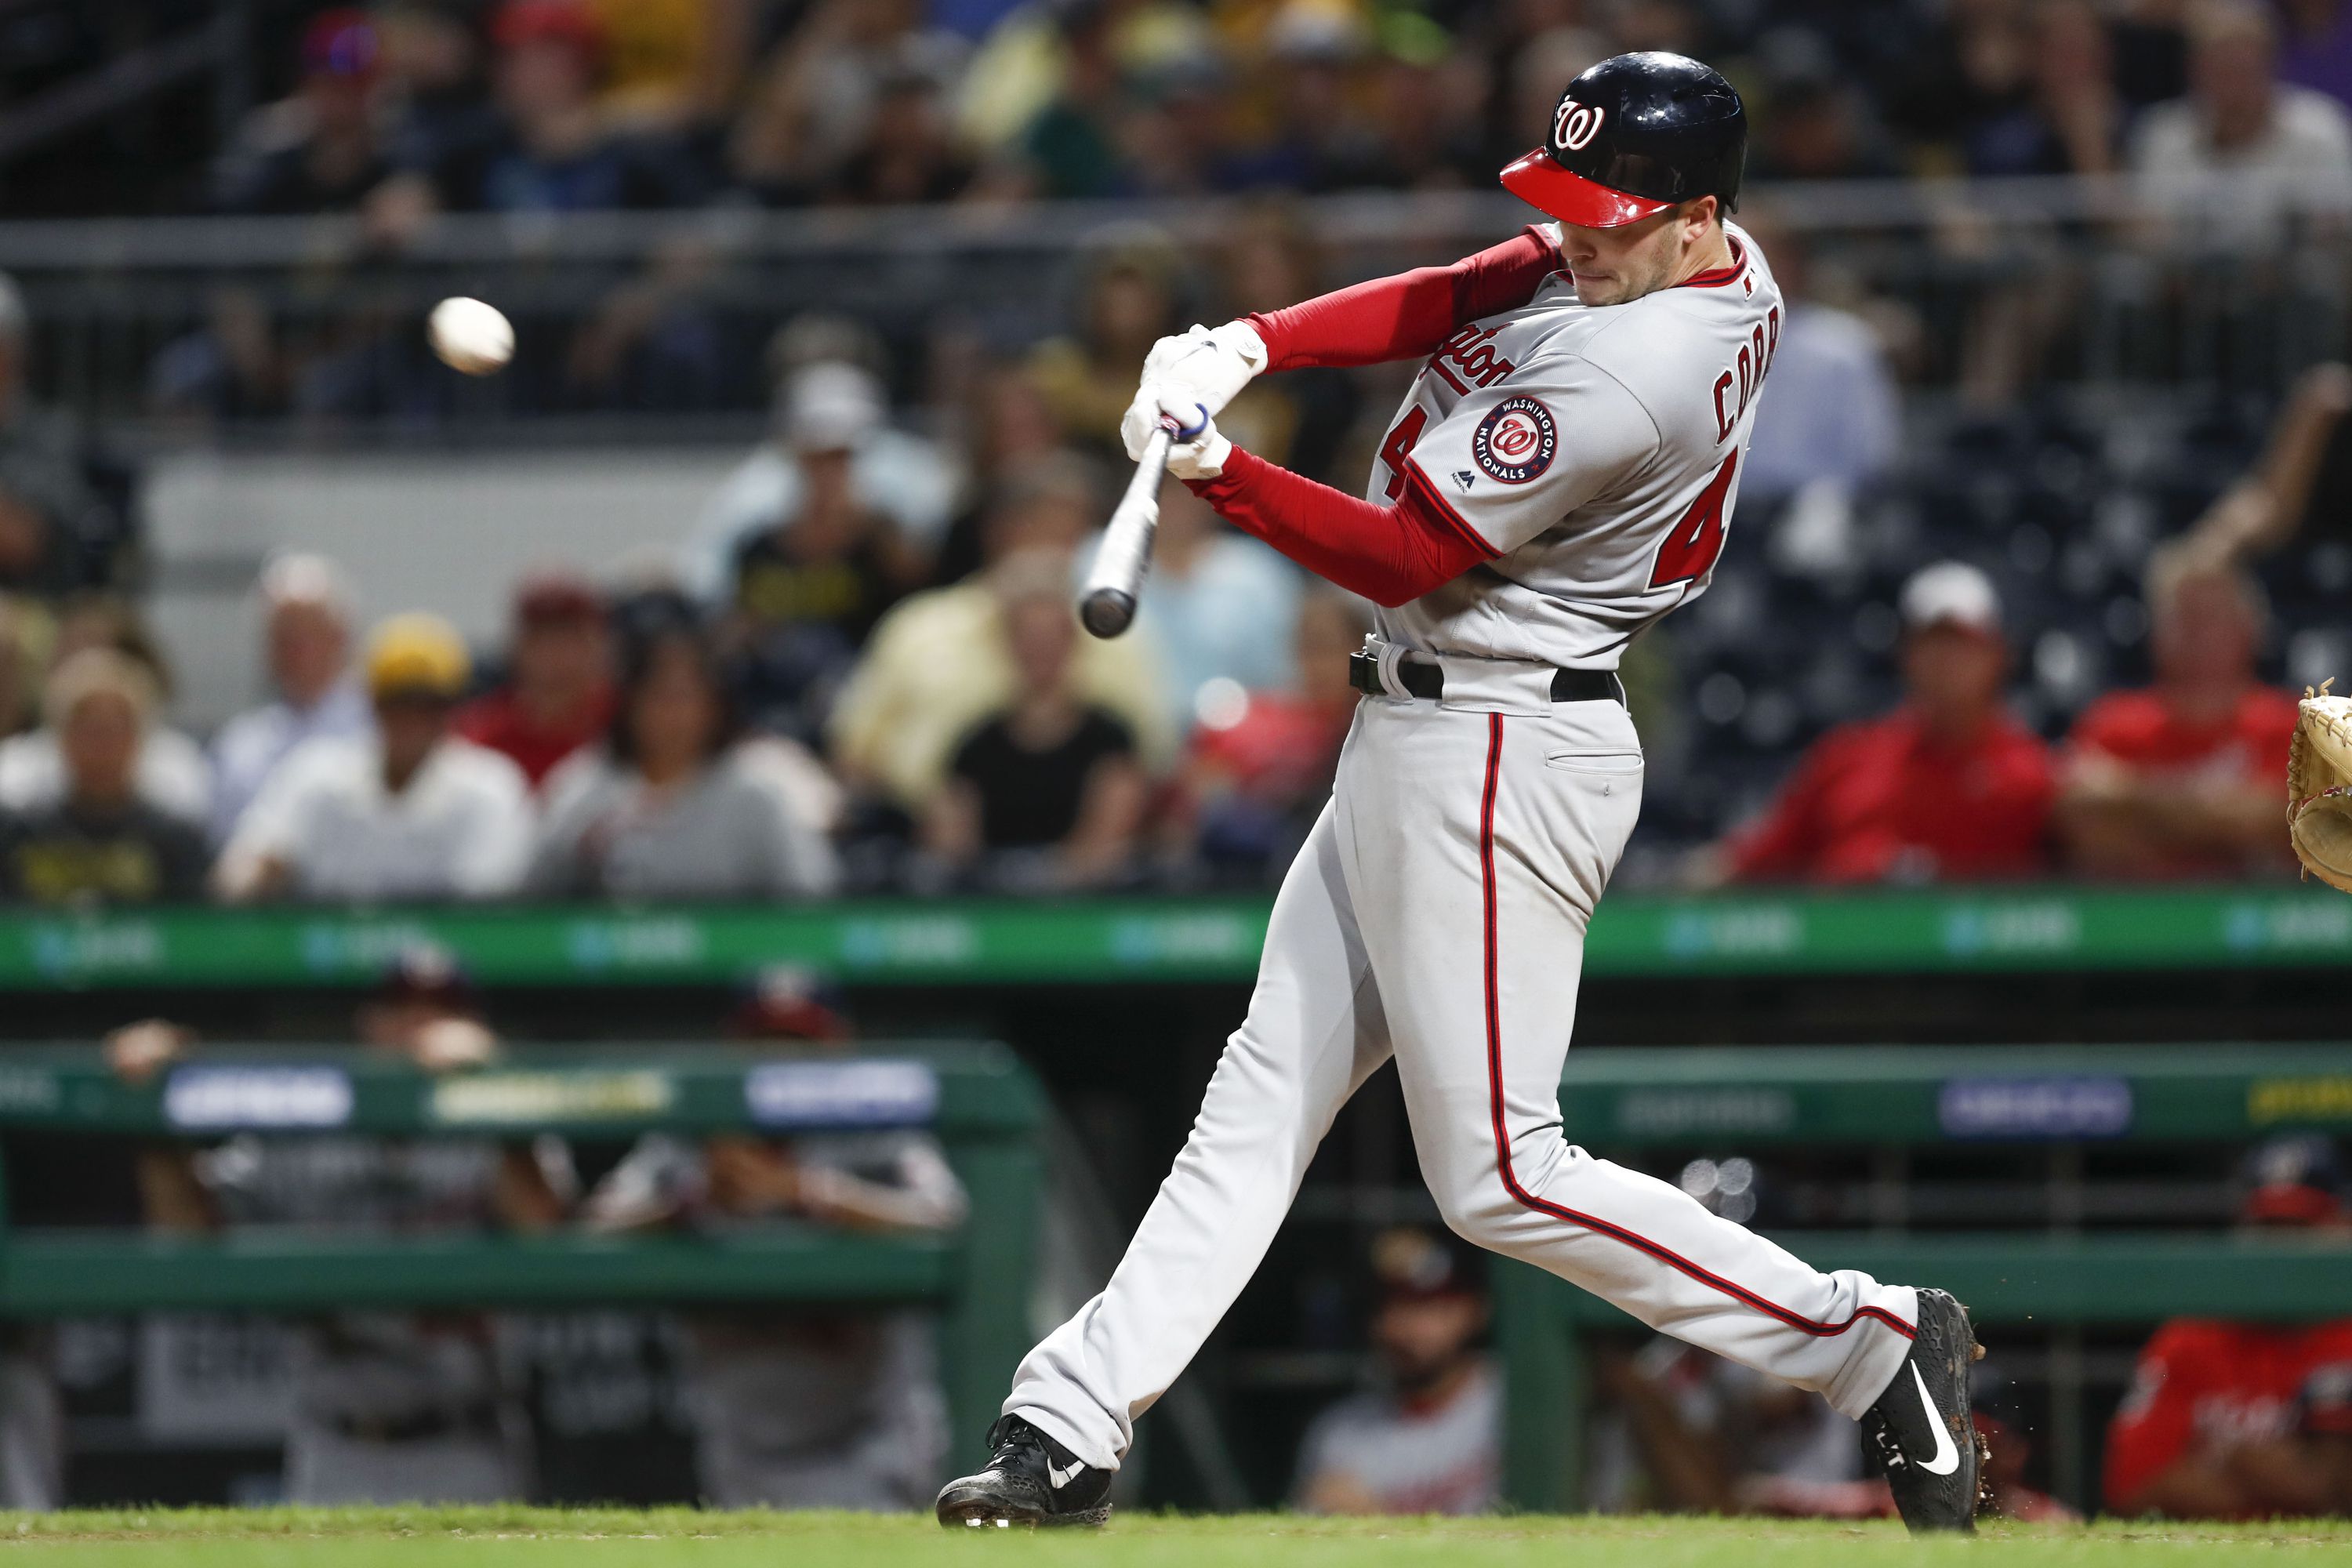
column 1561, row 476
column 804, row 1408
column 387, row 1407
column 2235, row 1420
column 1429, row 1437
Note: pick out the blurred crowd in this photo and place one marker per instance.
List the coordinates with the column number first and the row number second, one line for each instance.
column 406, row 106
column 643, row 746
column 2176, row 780
column 861, row 671
column 2226, row 119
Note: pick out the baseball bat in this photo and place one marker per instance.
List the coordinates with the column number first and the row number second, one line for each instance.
column 1107, row 604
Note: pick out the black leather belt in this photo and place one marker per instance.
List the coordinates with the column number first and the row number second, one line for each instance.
column 1427, row 680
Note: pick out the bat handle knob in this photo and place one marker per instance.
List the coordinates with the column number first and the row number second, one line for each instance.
column 1108, row 612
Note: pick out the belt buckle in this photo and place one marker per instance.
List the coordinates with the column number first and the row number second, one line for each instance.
column 1387, row 660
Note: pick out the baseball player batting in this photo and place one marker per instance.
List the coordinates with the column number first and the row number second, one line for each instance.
column 1561, row 476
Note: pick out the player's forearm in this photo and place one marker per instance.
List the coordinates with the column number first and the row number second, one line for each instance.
column 1686, row 1467
column 2286, row 1475
column 2193, row 1487
column 170, row 1191
column 244, row 877
column 1408, row 315
column 2224, row 818
column 1391, row 555
column 522, row 1194
column 2242, row 819
column 838, row 1198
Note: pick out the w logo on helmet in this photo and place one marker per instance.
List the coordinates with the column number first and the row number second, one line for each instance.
column 1575, row 125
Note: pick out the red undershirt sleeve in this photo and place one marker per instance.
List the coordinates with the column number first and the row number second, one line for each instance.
column 1408, row 315
column 1391, row 555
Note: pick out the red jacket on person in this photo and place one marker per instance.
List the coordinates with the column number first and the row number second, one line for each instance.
column 2206, row 1384
column 1880, row 801
column 2143, row 730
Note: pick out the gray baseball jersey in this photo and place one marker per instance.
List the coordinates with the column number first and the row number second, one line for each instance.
column 1597, row 448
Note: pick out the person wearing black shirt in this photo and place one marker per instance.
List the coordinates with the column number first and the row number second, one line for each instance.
column 1047, row 792
column 100, row 843
column 320, row 151
column 550, row 148
column 808, row 588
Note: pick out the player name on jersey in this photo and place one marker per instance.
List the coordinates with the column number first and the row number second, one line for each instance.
column 1596, row 450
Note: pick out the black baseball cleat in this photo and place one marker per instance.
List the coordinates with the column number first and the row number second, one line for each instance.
column 1029, row 1480
column 1920, row 1427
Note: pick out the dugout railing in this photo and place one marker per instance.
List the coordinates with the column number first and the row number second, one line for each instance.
column 983, row 1104
column 2059, row 1280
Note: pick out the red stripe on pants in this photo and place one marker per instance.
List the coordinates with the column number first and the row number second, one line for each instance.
column 1502, row 1139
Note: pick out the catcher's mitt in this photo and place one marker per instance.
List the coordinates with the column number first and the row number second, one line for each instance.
column 2319, row 787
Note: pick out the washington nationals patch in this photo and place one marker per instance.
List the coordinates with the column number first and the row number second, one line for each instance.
column 1515, row 441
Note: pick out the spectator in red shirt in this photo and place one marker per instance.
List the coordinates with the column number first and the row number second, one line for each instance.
column 558, row 694
column 1949, row 787
column 2182, row 779
column 2229, row 1420
column 1261, row 762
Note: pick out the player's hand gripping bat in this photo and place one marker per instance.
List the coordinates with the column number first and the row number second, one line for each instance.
column 1107, row 604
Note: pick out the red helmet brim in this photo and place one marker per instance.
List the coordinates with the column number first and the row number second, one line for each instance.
column 1539, row 182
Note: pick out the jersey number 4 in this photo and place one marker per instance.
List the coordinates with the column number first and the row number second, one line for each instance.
column 1688, row 550
column 1397, row 446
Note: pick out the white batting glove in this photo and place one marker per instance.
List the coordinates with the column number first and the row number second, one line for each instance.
column 1208, row 365
column 1200, row 449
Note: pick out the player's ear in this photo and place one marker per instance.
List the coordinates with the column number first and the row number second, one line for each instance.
column 1698, row 214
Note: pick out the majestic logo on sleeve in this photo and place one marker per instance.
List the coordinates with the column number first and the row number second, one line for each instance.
column 1515, row 441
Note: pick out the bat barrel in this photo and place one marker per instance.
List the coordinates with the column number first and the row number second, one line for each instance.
column 1107, row 605
column 1107, row 612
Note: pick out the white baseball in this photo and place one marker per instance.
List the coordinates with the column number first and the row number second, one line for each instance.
column 471, row 336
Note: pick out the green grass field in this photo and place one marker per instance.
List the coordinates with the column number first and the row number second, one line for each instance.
column 539, row 1538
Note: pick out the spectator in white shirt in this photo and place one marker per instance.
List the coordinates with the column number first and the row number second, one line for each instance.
column 174, row 778
column 409, row 812
column 675, row 805
column 2231, row 164
column 826, row 406
column 309, row 647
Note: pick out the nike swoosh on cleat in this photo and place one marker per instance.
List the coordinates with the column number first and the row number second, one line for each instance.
column 1063, row 1478
column 1947, row 1458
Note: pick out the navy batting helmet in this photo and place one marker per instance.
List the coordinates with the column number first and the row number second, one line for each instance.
column 1634, row 135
